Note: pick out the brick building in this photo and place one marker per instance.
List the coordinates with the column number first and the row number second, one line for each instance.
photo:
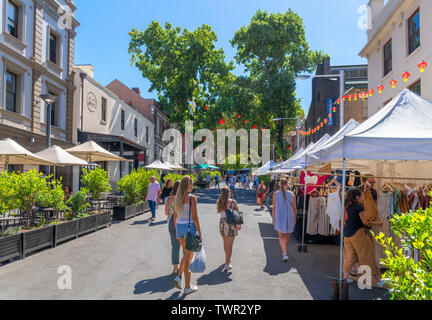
column 325, row 91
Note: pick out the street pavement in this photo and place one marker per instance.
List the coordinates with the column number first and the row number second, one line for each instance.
column 132, row 260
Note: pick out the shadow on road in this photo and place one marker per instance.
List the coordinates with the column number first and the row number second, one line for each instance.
column 156, row 285
column 215, row 278
column 274, row 264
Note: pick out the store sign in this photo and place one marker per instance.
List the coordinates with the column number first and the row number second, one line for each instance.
column 330, row 103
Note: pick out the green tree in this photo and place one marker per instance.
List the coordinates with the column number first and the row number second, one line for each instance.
column 54, row 197
column 273, row 50
column 97, row 182
column 406, row 278
column 182, row 66
column 6, row 193
column 78, row 203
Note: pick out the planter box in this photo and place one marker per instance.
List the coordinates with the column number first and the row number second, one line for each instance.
column 104, row 220
column 87, row 225
column 146, row 207
column 66, row 231
column 140, row 208
column 38, row 239
column 11, row 247
column 124, row 213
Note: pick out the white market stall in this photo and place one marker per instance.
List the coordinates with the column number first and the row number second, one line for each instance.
column 397, row 141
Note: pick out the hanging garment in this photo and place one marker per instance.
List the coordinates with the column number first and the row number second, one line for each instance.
column 324, row 219
column 413, row 199
column 334, row 209
column 371, row 211
column 403, row 202
column 385, row 208
column 313, row 216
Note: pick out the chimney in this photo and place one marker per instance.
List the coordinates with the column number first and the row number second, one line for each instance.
column 137, row 91
column 326, row 65
column 375, row 6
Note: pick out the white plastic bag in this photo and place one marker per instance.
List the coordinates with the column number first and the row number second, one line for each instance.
column 199, row 262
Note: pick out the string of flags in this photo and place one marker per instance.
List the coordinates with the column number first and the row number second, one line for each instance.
column 363, row 95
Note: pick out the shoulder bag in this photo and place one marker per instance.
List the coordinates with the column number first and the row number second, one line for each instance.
column 193, row 241
column 234, row 217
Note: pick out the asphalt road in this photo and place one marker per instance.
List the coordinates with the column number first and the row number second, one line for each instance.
column 131, row 260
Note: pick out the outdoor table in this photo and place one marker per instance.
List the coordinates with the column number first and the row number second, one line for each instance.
column 4, row 222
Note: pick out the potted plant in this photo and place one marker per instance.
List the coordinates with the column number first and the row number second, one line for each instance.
column 130, row 186
column 10, row 239
column 96, row 182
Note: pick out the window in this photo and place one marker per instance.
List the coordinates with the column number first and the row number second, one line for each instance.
column 53, row 48
column 122, row 120
column 11, row 92
column 103, row 109
column 388, row 61
column 414, row 32
column 12, row 23
column 53, row 112
column 136, row 127
column 147, row 134
column 416, row 87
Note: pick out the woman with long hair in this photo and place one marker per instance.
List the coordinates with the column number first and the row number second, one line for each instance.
column 284, row 215
column 175, row 244
column 185, row 213
column 166, row 192
column 228, row 232
column 357, row 244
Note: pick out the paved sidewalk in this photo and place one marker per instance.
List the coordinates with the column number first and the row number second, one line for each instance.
column 131, row 260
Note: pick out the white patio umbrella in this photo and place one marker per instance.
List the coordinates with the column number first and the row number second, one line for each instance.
column 158, row 165
column 60, row 158
column 175, row 166
column 92, row 152
column 12, row 153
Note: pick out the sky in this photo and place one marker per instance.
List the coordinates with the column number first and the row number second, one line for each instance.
column 332, row 26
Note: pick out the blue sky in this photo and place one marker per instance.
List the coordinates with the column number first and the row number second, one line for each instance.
column 102, row 40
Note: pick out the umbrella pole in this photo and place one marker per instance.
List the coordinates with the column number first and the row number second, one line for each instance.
column 342, row 230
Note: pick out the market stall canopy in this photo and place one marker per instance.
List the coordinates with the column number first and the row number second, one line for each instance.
column 286, row 163
column 60, row 157
column 205, row 167
column 12, row 153
column 158, row 165
column 393, row 138
column 92, row 152
column 266, row 169
column 175, row 166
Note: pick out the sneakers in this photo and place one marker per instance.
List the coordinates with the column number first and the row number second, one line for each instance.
column 190, row 290
column 227, row 267
column 285, row 258
column 177, row 282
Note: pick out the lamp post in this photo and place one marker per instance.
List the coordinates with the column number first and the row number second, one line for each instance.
column 49, row 100
column 341, row 77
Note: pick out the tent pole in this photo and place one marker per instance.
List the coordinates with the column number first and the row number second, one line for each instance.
column 303, row 245
column 342, row 230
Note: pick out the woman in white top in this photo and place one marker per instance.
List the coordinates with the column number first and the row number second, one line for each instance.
column 185, row 204
column 227, row 231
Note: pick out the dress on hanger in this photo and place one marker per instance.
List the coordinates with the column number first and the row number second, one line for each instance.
column 334, row 209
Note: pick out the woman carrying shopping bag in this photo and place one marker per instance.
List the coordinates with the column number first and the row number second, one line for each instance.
column 228, row 231
column 188, row 231
column 172, row 223
column 284, row 216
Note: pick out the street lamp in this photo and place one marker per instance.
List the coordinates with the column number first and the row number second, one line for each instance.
column 49, row 100
column 341, row 76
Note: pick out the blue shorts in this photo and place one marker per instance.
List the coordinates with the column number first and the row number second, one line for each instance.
column 182, row 230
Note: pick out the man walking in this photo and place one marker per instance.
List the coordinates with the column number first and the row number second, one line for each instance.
column 208, row 180
column 217, row 181
column 152, row 196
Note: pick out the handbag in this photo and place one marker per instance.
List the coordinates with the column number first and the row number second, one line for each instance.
column 193, row 241
column 199, row 262
column 234, row 217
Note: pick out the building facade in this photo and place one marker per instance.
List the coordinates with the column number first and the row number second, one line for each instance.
column 105, row 118
column 325, row 92
column 37, row 45
column 151, row 110
column 398, row 41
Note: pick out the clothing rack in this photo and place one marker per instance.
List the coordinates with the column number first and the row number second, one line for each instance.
column 378, row 177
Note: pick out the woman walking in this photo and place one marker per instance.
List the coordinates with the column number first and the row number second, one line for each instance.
column 284, row 216
column 166, row 192
column 261, row 193
column 228, row 232
column 186, row 215
column 175, row 244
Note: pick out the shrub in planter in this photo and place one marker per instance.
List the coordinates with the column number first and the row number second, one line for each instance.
column 27, row 189
column 406, row 278
column 77, row 204
column 130, row 186
column 54, row 197
column 6, row 193
column 97, row 182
